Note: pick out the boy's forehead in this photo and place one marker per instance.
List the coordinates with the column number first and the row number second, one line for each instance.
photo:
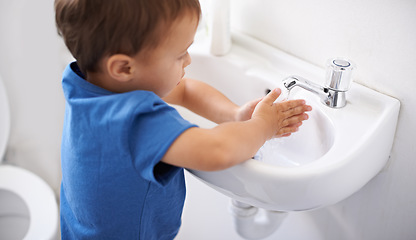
column 182, row 31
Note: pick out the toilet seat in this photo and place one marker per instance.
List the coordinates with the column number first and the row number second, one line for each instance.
column 38, row 197
column 36, row 193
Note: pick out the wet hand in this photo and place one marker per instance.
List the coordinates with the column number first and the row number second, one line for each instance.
column 282, row 118
column 245, row 112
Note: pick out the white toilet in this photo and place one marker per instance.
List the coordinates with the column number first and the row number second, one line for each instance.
column 28, row 209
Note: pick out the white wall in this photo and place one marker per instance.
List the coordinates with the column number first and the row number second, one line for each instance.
column 31, row 66
column 380, row 37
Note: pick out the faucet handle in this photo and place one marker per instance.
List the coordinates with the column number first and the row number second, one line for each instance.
column 339, row 74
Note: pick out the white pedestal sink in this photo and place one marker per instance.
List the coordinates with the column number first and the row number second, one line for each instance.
column 335, row 153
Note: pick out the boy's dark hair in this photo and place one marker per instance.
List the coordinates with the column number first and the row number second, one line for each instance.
column 93, row 29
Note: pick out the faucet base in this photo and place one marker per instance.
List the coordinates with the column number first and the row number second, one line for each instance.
column 335, row 99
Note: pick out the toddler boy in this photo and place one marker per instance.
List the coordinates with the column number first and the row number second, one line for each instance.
column 123, row 147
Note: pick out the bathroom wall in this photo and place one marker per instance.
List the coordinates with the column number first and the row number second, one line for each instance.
column 380, row 37
column 31, row 65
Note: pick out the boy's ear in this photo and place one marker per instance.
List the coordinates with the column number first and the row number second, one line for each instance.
column 119, row 67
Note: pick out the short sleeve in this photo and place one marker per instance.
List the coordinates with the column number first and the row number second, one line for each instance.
column 155, row 126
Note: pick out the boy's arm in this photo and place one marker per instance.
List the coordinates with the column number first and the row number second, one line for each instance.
column 207, row 102
column 234, row 142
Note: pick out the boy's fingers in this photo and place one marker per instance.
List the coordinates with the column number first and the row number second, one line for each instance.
column 272, row 96
column 256, row 101
column 297, row 110
column 292, row 104
column 291, row 127
column 294, row 120
column 284, row 135
column 287, row 130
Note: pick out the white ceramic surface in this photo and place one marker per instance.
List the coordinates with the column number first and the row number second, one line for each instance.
column 39, row 198
column 4, row 120
column 335, row 153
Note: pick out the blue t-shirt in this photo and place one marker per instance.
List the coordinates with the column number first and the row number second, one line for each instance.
column 113, row 183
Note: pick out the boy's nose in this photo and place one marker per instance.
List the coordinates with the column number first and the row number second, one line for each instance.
column 187, row 61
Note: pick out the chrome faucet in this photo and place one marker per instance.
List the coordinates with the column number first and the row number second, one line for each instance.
column 338, row 81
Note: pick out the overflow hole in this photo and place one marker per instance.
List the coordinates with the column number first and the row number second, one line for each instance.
column 267, row 91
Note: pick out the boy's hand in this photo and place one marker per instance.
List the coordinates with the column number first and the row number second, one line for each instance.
column 244, row 112
column 233, row 142
column 281, row 118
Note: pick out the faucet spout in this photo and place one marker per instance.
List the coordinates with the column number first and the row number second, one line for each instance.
column 331, row 98
column 297, row 81
column 338, row 81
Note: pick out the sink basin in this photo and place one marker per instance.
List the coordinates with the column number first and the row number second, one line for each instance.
column 311, row 143
column 335, row 153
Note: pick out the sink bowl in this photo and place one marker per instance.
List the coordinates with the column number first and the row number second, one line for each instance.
column 311, row 143
column 335, row 153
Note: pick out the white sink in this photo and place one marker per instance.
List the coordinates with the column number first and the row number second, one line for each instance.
column 335, row 153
